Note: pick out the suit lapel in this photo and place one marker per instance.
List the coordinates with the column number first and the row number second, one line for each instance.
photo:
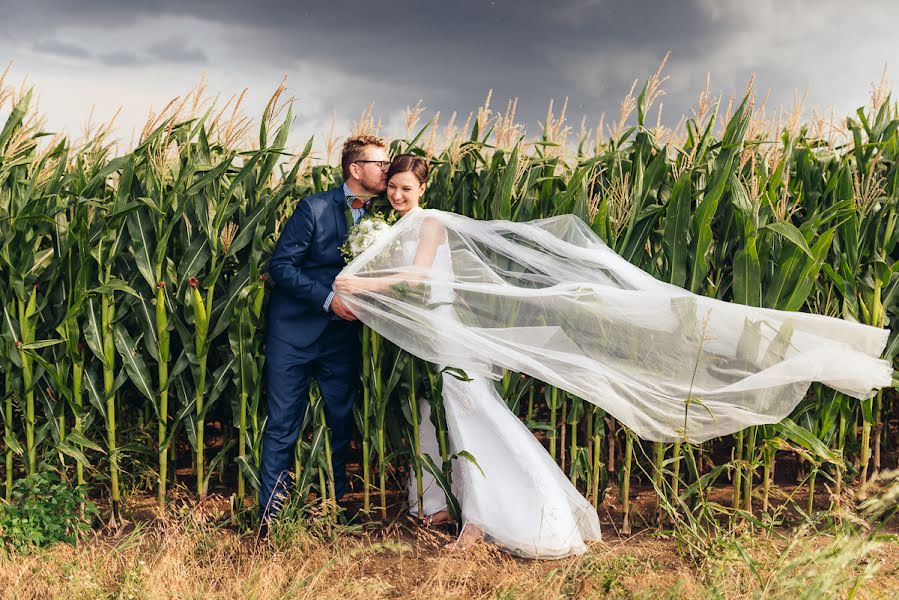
column 339, row 207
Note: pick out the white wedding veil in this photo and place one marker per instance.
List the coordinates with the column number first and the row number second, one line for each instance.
column 549, row 299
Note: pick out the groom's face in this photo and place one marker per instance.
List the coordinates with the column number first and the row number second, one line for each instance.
column 369, row 173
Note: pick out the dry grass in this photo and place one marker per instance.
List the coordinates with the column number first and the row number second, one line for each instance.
column 176, row 561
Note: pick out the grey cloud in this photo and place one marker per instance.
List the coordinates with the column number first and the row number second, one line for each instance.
column 176, row 51
column 171, row 51
column 121, row 59
column 59, row 48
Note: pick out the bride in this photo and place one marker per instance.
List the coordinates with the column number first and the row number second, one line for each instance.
column 515, row 495
column 549, row 299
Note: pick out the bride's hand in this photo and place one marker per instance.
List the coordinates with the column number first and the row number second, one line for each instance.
column 351, row 284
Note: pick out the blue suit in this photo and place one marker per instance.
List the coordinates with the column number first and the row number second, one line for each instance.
column 306, row 341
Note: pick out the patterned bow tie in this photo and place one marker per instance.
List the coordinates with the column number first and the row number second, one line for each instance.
column 363, row 203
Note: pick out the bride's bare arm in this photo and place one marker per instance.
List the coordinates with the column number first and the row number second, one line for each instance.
column 431, row 236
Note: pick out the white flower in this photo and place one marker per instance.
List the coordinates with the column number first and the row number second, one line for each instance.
column 364, row 234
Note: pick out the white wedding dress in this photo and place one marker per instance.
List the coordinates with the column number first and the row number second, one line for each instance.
column 516, row 494
column 549, row 299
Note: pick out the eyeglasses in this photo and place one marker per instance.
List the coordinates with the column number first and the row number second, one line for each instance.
column 382, row 164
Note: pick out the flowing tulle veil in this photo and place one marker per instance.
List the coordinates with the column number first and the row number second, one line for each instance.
column 548, row 298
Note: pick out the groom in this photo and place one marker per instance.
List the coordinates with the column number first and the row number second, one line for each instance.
column 310, row 332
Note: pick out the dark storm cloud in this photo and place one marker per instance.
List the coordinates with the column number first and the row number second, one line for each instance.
column 407, row 36
column 447, row 53
column 450, row 53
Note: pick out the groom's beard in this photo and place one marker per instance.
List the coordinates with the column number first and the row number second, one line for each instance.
column 369, row 191
column 373, row 187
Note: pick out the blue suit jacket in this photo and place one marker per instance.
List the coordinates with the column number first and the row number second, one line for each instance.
column 303, row 267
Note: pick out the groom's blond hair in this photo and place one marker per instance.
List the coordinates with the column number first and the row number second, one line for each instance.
column 354, row 149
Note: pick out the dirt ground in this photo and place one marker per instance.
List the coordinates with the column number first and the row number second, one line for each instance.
column 186, row 556
column 211, row 552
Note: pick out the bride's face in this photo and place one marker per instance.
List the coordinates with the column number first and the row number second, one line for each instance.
column 404, row 191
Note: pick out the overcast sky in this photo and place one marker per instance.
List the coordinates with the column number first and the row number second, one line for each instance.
column 340, row 55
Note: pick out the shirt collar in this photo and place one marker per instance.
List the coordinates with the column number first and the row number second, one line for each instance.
column 347, row 194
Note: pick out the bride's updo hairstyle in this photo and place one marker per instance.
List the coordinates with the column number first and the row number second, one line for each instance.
column 409, row 162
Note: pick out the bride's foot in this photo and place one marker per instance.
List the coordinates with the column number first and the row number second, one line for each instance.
column 470, row 534
column 437, row 518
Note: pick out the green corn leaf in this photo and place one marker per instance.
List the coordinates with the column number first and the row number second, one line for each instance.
column 790, row 232
column 133, row 362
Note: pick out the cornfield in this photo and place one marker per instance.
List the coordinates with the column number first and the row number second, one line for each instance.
column 134, row 290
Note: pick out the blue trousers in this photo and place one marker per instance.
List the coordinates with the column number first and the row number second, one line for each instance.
column 333, row 361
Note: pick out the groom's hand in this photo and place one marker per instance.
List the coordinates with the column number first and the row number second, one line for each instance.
column 341, row 310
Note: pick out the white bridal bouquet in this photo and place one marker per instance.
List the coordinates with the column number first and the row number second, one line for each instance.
column 366, row 232
column 363, row 234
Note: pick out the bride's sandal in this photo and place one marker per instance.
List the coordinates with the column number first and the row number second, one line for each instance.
column 441, row 517
column 438, row 518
